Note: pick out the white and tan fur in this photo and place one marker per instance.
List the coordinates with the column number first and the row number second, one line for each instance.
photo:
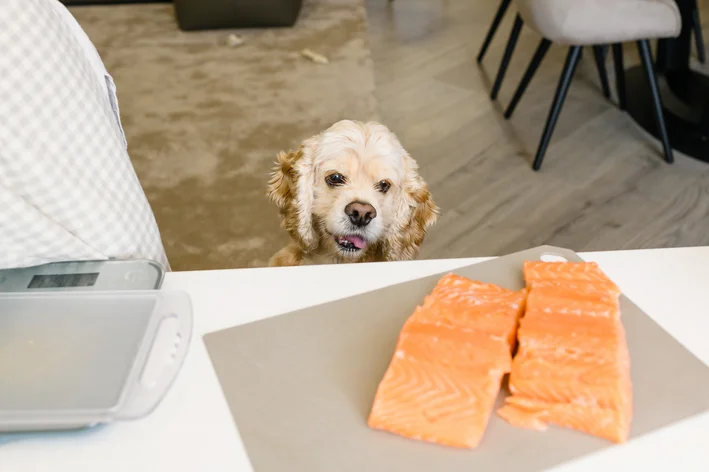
column 363, row 159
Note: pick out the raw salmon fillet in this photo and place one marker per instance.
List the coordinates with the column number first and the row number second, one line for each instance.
column 451, row 355
column 572, row 366
column 578, row 275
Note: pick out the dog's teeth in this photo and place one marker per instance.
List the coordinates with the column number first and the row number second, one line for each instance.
column 346, row 244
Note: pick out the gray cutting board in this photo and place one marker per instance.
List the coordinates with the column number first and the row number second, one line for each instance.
column 300, row 385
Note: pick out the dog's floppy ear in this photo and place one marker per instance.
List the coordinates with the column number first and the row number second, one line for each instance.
column 415, row 212
column 291, row 189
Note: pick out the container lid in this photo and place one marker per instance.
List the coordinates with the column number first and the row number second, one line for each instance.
column 81, row 358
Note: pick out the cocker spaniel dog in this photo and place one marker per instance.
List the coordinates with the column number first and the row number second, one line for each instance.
column 350, row 194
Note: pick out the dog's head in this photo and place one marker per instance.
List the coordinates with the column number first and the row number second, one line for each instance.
column 353, row 192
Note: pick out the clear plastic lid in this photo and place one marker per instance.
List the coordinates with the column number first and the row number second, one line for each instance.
column 75, row 359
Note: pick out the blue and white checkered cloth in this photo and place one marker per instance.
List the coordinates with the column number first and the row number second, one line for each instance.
column 68, row 190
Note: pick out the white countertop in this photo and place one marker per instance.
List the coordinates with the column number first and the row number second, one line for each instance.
column 192, row 429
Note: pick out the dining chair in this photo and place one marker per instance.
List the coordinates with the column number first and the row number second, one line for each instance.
column 580, row 23
column 599, row 51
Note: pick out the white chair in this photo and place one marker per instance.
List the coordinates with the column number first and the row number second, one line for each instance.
column 599, row 52
column 579, row 23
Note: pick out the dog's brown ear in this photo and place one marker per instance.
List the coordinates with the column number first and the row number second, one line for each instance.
column 415, row 214
column 291, row 190
column 281, row 187
column 424, row 214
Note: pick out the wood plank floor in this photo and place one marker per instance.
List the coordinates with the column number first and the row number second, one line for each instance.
column 604, row 184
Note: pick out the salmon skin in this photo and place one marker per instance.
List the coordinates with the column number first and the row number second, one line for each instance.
column 450, row 358
column 572, row 366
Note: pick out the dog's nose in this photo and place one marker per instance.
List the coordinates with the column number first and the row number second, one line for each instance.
column 360, row 213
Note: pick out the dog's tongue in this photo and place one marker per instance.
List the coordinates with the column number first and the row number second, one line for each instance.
column 358, row 242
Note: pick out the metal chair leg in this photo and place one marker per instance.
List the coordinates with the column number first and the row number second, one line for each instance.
column 599, row 55
column 528, row 75
column 501, row 10
column 645, row 55
column 511, row 43
column 698, row 35
column 572, row 60
column 619, row 75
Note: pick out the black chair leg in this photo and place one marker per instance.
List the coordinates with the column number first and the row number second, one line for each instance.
column 605, row 48
column 511, row 43
column 501, row 10
column 619, row 75
column 645, row 55
column 698, row 35
column 572, row 60
column 528, row 75
column 599, row 55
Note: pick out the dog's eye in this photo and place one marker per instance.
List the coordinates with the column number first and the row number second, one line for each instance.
column 384, row 186
column 335, row 179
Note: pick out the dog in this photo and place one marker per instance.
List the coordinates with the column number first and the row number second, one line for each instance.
column 350, row 194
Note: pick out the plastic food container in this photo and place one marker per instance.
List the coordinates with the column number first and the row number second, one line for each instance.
column 70, row 360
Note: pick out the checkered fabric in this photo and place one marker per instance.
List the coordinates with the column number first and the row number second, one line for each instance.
column 68, row 190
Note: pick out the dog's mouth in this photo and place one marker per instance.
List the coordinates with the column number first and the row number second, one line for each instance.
column 351, row 243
